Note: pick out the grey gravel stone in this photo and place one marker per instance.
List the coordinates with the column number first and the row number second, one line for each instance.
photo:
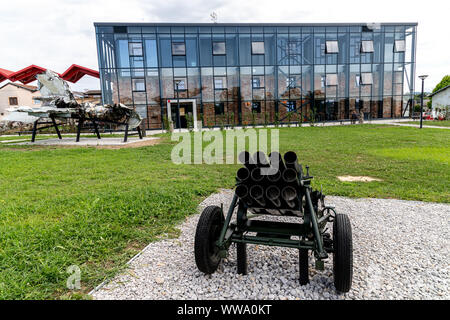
column 401, row 251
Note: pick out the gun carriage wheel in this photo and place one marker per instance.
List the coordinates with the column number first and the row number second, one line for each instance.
column 342, row 253
column 208, row 230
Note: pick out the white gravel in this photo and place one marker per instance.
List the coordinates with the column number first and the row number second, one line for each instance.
column 401, row 251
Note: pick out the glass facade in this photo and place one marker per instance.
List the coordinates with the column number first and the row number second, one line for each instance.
column 247, row 73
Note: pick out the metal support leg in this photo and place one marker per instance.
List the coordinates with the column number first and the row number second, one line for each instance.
column 125, row 139
column 322, row 253
column 227, row 219
column 56, row 128
column 80, row 124
column 33, row 136
column 96, row 129
column 139, row 132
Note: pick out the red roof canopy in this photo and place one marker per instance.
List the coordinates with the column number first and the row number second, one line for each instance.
column 76, row 72
column 28, row 74
column 4, row 74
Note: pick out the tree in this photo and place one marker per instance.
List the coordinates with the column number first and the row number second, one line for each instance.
column 444, row 82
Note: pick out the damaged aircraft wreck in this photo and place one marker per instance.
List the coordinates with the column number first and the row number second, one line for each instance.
column 58, row 103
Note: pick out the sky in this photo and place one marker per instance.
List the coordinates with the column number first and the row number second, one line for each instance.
column 56, row 33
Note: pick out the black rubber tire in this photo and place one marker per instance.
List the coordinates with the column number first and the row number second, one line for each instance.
column 303, row 266
column 342, row 253
column 208, row 231
column 241, row 253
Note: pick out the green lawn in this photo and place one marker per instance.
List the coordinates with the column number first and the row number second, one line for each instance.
column 434, row 123
column 96, row 208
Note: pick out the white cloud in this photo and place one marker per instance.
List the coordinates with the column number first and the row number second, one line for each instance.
column 55, row 34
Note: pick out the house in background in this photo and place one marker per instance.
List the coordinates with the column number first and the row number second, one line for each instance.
column 440, row 102
column 16, row 95
column 91, row 96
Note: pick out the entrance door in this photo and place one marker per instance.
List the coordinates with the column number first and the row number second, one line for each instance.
column 180, row 113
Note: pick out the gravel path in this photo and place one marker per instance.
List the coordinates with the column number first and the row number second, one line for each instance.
column 401, row 251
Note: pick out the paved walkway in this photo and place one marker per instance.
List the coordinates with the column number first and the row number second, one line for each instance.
column 417, row 125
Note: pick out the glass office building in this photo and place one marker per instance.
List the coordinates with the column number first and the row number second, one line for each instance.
column 220, row 74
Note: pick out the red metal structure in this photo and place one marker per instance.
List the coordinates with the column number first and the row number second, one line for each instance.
column 28, row 74
column 5, row 74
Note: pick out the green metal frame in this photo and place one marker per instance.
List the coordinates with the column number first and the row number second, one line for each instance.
column 270, row 233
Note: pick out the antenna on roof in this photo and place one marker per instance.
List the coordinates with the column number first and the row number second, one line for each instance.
column 214, row 17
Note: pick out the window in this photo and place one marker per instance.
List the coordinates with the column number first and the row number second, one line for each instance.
column 135, row 48
column 219, row 48
column 180, row 84
column 357, row 80
column 138, row 84
column 367, row 46
column 256, row 106
column 332, row 47
column 137, row 62
column 36, row 101
column 178, row 49
column 366, row 78
column 219, row 108
column 258, row 47
column 258, row 82
column 290, row 82
column 332, row 79
column 13, row 101
column 220, row 83
column 290, row 106
column 399, row 46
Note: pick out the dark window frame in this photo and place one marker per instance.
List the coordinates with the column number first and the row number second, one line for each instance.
column 258, row 78
column 133, row 85
column 221, row 106
column 180, row 79
column 178, row 43
column 370, row 50
column 256, row 103
column 224, row 48
column 255, row 51
column 328, row 46
column 16, row 103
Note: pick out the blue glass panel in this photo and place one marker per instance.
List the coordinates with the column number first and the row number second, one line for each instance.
column 270, row 49
column 148, row 29
column 205, row 50
column 343, row 41
column 191, row 30
column 244, row 49
column 283, row 49
column 123, row 57
column 177, row 29
column 388, row 47
column 319, row 48
column 218, row 29
column 191, row 51
column 204, row 29
column 151, row 53
column 307, row 48
column 137, row 62
column 179, row 61
column 355, row 47
column 165, row 50
column 231, row 47
column 219, row 61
